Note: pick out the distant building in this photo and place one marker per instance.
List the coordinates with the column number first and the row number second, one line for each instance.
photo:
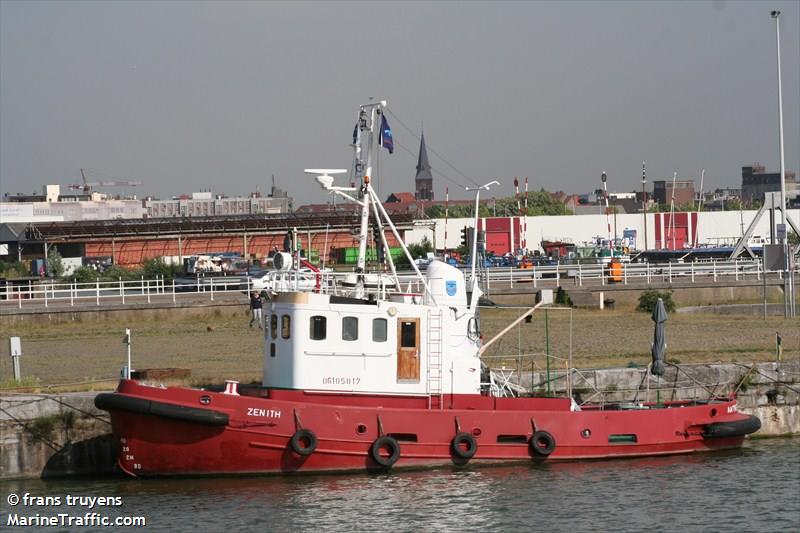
column 755, row 182
column 51, row 206
column 205, row 204
column 663, row 194
column 720, row 199
column 423, row 182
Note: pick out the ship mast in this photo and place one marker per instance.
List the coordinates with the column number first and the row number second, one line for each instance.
column 369, row 115
column 366, row 123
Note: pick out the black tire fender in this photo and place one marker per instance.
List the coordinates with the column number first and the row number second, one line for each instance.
column 542, row 443
column 388, row 443
column 457, row 446
column 110, row 401
column 303, row 442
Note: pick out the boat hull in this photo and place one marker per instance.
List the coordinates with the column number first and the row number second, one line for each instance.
column 254, row 434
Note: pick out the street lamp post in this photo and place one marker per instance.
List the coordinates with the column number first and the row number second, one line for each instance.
column 776, row 15
column 474, row 251
column 788, row 293
column 644, row 203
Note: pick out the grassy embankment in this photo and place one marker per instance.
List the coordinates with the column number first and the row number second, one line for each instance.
column 219, row 345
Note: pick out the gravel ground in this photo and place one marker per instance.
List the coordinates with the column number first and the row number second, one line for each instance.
column 219, row 345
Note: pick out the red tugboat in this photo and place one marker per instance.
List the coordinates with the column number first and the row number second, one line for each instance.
column 373, row 378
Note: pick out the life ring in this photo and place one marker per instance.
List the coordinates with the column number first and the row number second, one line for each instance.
column 303, row 442
column 458, row 445
column 391, row 445
column 542, row 443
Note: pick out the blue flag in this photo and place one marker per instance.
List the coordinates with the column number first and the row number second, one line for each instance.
column 386, row 135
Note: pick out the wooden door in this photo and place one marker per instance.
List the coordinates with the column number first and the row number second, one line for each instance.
column 408, row 350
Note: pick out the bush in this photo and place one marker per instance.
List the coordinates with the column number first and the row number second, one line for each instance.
column 84, row 274
column 153, row 268
column 648, row 299
column 14, row 270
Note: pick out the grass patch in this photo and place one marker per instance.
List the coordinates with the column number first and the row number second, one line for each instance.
column 88, row 354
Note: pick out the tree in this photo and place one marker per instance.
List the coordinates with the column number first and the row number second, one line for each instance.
column 540, row 203
column 55, row 266
column 418, row 250
column 732, row 204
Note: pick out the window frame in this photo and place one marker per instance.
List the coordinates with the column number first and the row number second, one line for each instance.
column 346, row 319
column 403, row 324
column 312, row 322
column 286, row 326
column 273, row 325
column 385, row 330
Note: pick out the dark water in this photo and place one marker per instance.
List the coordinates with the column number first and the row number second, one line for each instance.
column 756, row 488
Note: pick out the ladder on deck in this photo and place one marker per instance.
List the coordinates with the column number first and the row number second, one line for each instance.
column 434, row 345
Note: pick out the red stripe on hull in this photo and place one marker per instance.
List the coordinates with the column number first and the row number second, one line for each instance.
column 256, row 439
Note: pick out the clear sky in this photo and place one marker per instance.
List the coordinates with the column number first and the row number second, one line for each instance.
column 187, row 96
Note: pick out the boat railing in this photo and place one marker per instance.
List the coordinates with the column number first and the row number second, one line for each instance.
column 525, row 374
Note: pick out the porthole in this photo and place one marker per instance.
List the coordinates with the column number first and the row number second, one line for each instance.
column 586, row 433
column 714, row 412
column 361, row 429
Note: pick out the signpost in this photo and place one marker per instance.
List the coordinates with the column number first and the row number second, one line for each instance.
column 15, row 349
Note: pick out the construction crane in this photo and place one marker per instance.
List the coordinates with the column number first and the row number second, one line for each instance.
column 86, row 187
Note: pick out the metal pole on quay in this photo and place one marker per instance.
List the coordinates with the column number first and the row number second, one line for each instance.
column 788, row 292
column 126, row 340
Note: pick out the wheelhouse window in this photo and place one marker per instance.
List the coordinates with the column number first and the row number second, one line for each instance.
column 379, row 330
column 350, row 328
column 273, row 325
column 318, row 328
column 286, row 326
column 408, row 335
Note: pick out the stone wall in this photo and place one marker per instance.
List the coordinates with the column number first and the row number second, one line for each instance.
column 54, row 436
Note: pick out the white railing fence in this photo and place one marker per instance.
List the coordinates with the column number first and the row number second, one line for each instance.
column 72, row 292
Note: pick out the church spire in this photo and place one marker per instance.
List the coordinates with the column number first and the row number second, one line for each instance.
column 424, row 180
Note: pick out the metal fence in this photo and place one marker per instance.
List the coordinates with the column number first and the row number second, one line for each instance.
column 632, row 273
column 71, row 293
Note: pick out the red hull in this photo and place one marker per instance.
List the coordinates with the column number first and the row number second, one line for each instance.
column 256, row 437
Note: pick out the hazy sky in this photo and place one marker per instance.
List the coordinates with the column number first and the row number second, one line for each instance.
column 193, row 95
